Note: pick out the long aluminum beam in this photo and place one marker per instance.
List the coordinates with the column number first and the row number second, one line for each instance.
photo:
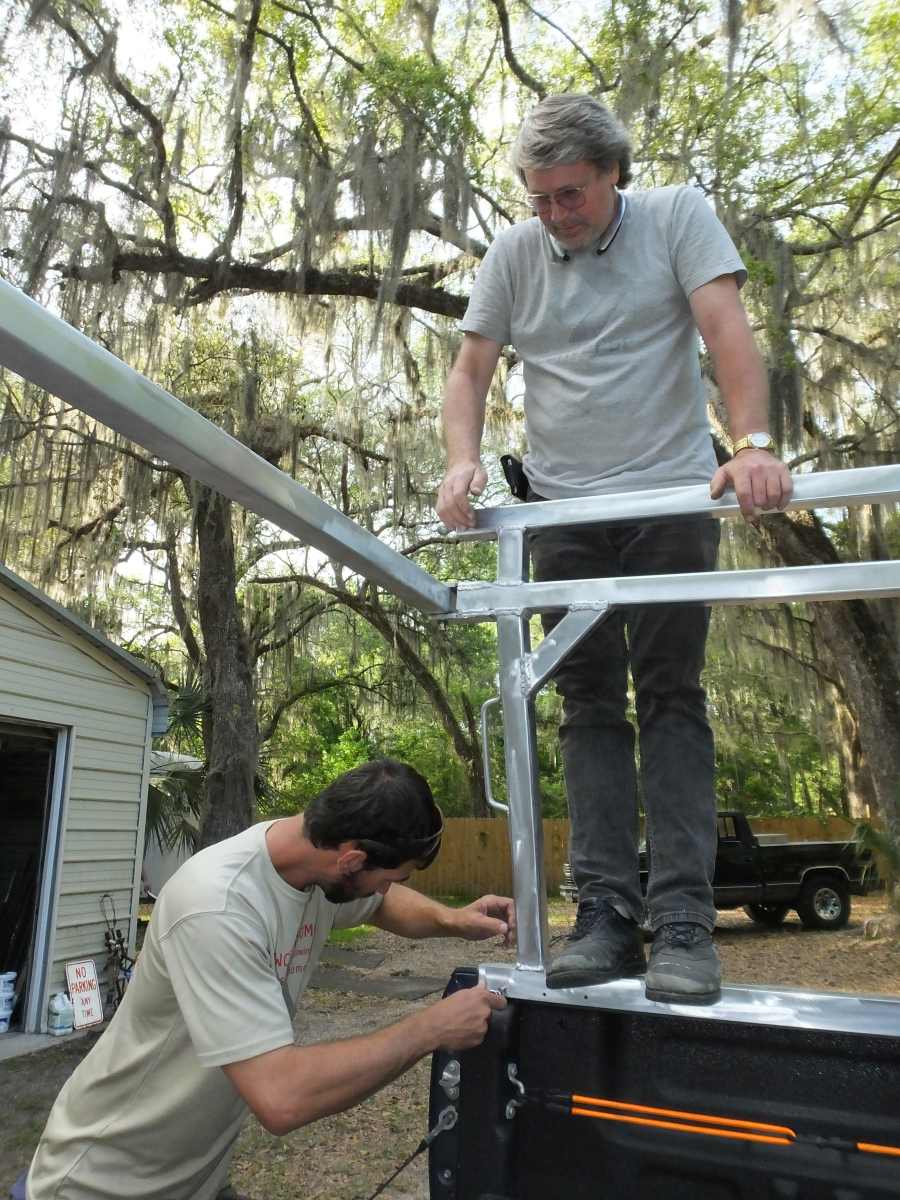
column 821, row 489
column 782, row 585
column 55, row 356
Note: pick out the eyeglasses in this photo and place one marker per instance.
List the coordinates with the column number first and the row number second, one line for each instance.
column 568, row 198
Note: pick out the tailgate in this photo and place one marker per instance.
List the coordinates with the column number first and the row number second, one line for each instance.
column 687, row 1108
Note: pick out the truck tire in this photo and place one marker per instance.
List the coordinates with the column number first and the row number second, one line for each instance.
column 824, row 902
column 770, row 915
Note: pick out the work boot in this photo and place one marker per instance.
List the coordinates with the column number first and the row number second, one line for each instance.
column 684, row 965
column 602, row 946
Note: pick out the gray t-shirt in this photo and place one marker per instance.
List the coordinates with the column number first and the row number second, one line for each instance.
column 613, row 395
column 148, row 1115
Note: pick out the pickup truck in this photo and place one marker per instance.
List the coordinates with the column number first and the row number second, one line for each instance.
column 767, row 876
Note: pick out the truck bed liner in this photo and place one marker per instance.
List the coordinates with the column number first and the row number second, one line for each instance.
column 833, row 1088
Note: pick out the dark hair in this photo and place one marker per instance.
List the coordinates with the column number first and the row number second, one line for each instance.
column 570, row 128
column 386, row 807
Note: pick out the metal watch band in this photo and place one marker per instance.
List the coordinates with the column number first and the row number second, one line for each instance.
column 754, row 441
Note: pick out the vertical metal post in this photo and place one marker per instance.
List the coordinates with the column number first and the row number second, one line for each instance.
column 526, row 831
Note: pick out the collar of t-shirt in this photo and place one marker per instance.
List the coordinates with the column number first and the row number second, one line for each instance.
column 559, row 253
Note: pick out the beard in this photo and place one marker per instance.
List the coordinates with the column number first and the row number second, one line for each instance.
column 343, row 893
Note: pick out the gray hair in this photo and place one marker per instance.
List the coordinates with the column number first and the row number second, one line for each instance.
column 571, row 128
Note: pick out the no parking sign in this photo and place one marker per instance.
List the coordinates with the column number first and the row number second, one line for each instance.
column 84, row 990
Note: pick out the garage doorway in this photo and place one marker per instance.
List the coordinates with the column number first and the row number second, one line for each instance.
column 31, row 762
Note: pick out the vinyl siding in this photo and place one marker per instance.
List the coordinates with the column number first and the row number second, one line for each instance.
column 80, row 878
column 82, row 911
column 51, row 675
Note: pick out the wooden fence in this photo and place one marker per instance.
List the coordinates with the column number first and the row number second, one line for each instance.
column 475, row 860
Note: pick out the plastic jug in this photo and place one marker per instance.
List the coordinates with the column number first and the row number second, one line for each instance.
column 60, row 1014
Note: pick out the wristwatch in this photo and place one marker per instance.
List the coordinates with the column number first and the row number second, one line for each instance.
column 754, row 441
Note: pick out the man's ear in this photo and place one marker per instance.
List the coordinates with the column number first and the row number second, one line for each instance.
column 350, row 859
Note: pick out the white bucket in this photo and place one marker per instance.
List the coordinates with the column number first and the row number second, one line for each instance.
column 7, row 1003
column 7, row 983
column 4, row 1022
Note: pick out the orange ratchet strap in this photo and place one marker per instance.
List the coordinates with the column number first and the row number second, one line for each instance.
column 576, row 1105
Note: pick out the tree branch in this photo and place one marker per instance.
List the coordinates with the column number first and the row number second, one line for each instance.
column 857, row 347
column 267, row 731
column 846, row 237
column 808, row 664
column 318, row 145
column 179, row 608
column 219, row 277
column 76, row 532
column 509, row 54
column 103, row 63
column 309, row 614
column 83, row 437
column 431, row 541
column 599, row 77
column 236, row 178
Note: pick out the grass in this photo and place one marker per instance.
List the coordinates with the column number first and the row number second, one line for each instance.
column 345, row 937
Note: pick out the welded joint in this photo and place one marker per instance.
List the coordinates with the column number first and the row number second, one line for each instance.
column 528, row 677
column 523, row 676
column 526, row 673
column 518, row 1100
column 473, row 615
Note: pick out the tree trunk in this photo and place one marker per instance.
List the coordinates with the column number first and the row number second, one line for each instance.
column 230, row 732
column 855, row 774
column 865, row 659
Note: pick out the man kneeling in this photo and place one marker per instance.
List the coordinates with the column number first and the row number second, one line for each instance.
column 205, row 1030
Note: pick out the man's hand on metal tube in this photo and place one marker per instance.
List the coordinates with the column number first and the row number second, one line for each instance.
column 461, row 481
column 490, row 916
column 760, row 481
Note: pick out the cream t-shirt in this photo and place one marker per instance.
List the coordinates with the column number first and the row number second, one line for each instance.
column 230, row 949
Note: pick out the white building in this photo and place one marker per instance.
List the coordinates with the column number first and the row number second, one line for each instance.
column 76, row 717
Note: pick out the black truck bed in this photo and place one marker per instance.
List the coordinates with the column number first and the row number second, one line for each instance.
column 829, row 1089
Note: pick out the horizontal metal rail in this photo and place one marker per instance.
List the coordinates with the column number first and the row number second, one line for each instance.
column 782, row 585
column 820, row 489
column 53, row 355
column 791, row 1008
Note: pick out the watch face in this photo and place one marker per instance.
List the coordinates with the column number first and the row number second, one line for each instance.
column 762, row 441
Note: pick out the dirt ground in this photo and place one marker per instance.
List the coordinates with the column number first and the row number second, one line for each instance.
column 347, row 1156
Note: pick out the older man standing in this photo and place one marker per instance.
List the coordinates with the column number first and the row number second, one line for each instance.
column 602, row 294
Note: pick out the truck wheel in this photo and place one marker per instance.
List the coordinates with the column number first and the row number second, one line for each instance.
column 770, row 915
column 824, row 903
